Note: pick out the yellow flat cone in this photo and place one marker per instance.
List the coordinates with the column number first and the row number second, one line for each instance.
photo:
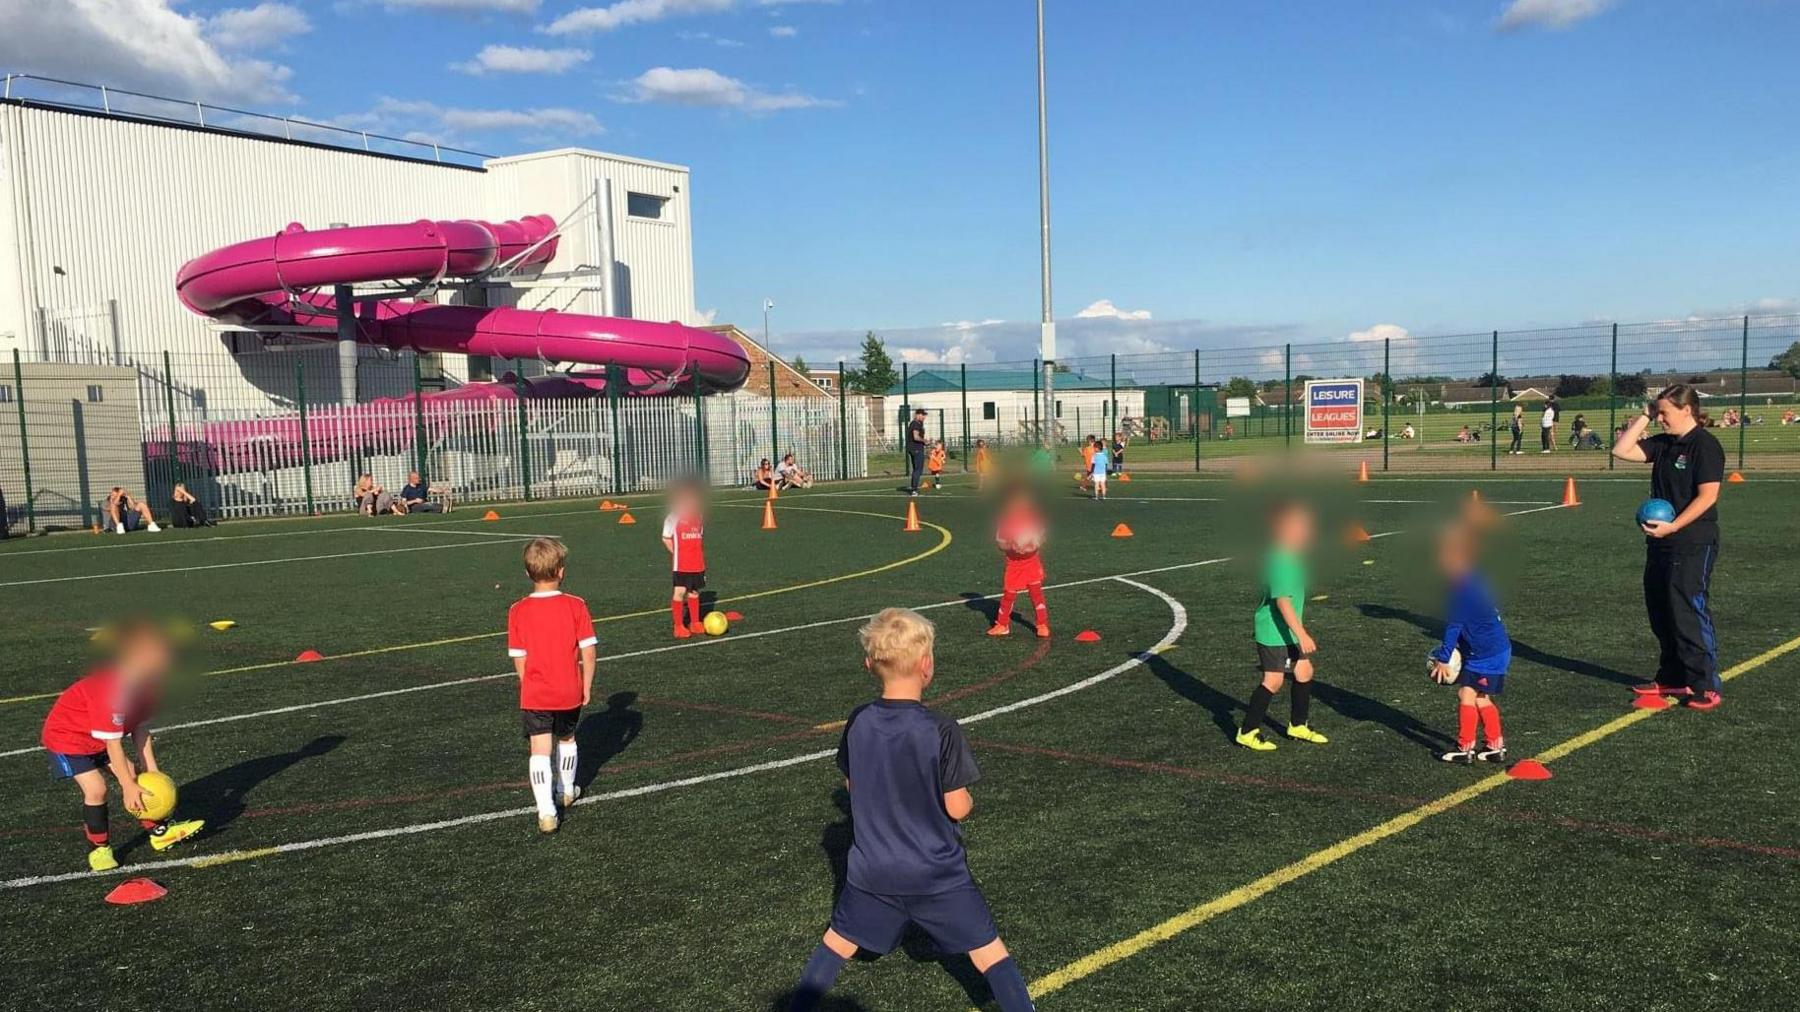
column 223, row 624
column 1121, row 531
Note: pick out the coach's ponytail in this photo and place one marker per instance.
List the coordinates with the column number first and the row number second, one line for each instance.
column 1684, row 396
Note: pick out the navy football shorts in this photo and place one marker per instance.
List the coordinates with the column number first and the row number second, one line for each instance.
column 1490, row 684
column 957, row 921
column 64, row 765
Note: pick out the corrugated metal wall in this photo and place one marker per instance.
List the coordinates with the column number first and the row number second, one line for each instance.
column 100, row 212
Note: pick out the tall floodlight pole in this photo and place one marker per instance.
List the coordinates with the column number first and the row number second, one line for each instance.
column 1048, row 339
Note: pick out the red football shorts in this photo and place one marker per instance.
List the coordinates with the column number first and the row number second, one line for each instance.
column 1022, row 573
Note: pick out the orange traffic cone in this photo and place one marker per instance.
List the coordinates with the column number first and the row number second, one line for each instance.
column 1737, row 478
column 1362, row 471
column 1121, row 531
column 768, row 515
column 772, row 494
column 627, row 518
column 1569, row 496
column 1474, row 495
column 912, row 517
column 490, row 515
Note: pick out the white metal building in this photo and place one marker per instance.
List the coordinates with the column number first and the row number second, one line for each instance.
column 102, row 201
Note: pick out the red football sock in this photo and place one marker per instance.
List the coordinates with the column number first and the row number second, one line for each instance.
column 675, row 609
column 1036, row 591
column 1465, row 727
column 1490, row 726
column 150, row 824
column 693, row 601
column 97, row 839
column 1006, row 603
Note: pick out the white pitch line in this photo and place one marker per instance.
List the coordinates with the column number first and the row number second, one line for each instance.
column 613, row 658
column 515, row 535
column 252, row 562
column 155, row 542
column 1176, row 628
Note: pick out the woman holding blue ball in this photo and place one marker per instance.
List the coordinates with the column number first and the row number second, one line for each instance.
column 1687, row 468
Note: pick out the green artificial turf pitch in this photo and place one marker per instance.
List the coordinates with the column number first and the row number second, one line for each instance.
column 1657, row 870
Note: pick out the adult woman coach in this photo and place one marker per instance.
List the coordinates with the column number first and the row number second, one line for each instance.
column 1687, row 466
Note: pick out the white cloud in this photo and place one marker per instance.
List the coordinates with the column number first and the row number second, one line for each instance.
column 795, row 3
column 630, row 12
column 1556, row 14
column 784, row 31
column 522, row 60
column 267, row 25
column 705, row 317
column 1382, row 332
column 1104, row 308
column 138, row 44
column 404, row 117
column 700, row 86
column 466, row 6
column 716, row 40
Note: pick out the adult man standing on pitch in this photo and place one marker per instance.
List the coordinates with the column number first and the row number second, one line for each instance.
column 915, row 448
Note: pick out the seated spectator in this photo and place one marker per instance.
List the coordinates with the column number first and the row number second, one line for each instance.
column 789, row 474
column 1465, row 436
column 371, row 499
column 1408, row 432
column 415, row 495
column 124, row 513
column 186, row 510
column 1787, row 417
column 763, row 477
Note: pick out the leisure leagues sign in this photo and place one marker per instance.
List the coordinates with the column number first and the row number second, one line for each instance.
column 1334, row 411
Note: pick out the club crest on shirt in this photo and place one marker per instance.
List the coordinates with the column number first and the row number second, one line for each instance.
column 1681, row 462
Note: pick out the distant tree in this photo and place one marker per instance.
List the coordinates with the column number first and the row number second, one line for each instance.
column 1788, row 361
column 1382, row 382
column 876, row 374
column 1568, row 385
column 800, row 366
column 1632, row 385
column 1240, row 386
column 1488, row 379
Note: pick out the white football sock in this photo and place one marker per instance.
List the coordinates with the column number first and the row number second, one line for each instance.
column 565, row 767
column 540, row 785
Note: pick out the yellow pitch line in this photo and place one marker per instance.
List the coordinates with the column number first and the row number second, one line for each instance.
column 944, row 539
column 1193, row 917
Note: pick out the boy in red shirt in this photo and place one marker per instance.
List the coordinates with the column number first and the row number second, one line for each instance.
column 683, row 534
column 86, row 729
column 1020, row 535
column 550, row 637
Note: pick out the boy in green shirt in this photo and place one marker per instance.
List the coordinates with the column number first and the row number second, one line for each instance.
column 1283, row 645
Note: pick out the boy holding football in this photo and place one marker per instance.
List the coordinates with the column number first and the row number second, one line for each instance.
column 1020, row 537
column 683, row 534
column 550, row 638
column 85, row 734
column 908, row 771
column 1474, row 633
column 1283, row 646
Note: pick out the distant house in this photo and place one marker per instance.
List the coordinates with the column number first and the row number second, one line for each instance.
column 789, row 382
column 828, row 380
column 1000, row 401
column 1531, row 394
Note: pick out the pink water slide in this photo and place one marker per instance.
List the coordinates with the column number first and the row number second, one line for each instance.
column 285, row 280
column 277, row 280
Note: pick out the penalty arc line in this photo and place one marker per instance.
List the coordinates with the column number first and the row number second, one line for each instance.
column 1177, row 626
column 1243, row 895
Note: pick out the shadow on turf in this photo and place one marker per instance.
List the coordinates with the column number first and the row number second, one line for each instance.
column 605, row 734
column 219, row 797
column 834, row 840
column 1434, row 629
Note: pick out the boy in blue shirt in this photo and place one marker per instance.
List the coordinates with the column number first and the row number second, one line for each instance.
column 908, row 771
column 1472, row 625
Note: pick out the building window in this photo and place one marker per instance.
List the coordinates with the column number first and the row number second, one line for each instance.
column 989, row 411
column 646, row 205
column 96, row 393
column 1059, row 409
column 5, row 393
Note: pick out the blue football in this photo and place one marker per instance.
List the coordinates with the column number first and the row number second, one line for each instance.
column 1656, row 509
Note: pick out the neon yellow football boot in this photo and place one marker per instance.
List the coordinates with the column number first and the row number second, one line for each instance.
column 1300, row 732
column 101, row 859
column 171, row 833
column 1253, row 740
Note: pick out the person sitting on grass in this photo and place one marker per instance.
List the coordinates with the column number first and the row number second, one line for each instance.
column 1465, row 436
column 186, row 509
column 415, row 495
column 124, row 513
column 790, row 474
column 1408, row 432
column 763, row 477
column 907, row 770
column 371, row 499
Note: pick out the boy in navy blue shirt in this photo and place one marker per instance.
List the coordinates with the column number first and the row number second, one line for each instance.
column 1472, row 625
column 908, row 771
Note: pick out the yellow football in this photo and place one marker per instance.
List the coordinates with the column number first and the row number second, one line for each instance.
column 715, row 623
column 159, row 795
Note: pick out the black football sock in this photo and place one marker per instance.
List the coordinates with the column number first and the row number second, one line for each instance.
column 94, row 822
column 1259, row 708
column 1299, row 702
column 820, row 973
column 1008, row 985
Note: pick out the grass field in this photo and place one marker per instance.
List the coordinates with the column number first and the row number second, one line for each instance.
column 369, row 841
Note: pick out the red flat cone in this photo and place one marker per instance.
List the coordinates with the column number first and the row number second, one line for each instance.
column 1087, row 636
column 734, row 616
column 136, row 890
column 1651, row 702
column 309, row 655
column 1528, row 769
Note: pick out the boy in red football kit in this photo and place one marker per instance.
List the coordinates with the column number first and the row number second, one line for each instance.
column 1020, row 535
column 86, row 731
column 683, row 534
column 550, row 637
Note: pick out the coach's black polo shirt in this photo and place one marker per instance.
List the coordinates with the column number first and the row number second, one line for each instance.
column 1678, row 467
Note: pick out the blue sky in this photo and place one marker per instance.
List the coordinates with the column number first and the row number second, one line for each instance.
column 1222, row 172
